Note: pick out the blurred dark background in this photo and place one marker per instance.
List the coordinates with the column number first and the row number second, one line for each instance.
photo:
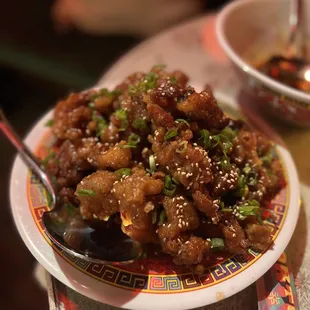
column 37, row 67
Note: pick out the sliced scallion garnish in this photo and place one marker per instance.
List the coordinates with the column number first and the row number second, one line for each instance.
column 241, row 189
column 217, row 244
column 173, row 80
column 171, row 133
column 86, row 192
column 101, row 122
column 160, row 66
column 162, row 218
column 132, row 90
column 267, row 159
column 123, row 171
column 121, row 114
column 133, row 141
column 46, row 160
column 140, row 124
column 181, row 120
column 169, row 188
column 229, row 133
column 182, row 147
column 205, row 137
column 152, row 163
column 49, row 123
column 251, row 207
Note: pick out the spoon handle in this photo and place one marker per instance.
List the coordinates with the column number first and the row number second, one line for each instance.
column 25, row 153
column 295, row 23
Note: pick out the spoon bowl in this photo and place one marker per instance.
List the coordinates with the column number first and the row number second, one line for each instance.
column 102, row 243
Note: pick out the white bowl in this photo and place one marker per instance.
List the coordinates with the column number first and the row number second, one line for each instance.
column 251, row 30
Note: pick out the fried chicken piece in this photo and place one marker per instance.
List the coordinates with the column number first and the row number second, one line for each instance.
column 71, row 116
column 235, row 239
column 133, row 193
column 188, row 165
column 96, row 197
column 259, row 235
column 203, row 106
column 116, row 157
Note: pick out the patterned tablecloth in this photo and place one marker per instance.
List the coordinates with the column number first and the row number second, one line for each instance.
column 193, row 48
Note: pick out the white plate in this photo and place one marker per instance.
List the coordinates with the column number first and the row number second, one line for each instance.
column 161, row 292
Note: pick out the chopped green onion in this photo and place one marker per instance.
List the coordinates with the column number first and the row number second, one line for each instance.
column 175, row 181
column 160, row 66
column 140, row 124
column 168, row 181
column 152, row 163
column 117, row 92
column 71, row 209
column 49, row 199
column 205, row 136
column 132, row 90
column 252, row 178
column 222, row 206
column 101, row 122
column 224, row 139
column 123, row 171
column 259, row 218
column 169, row 188
column 182, row 147
column 227, row 210
column 148, row 82
column 51, row 155
column 173, row 80
column 229, row 133
column 49, row 123
column 216, row 140
column 86, row 192
column 133, row 141
column 241, row 189
column 217, row 244
column 169, row 192
column 91, row 105
column 225, row 163
column 181, row 120
column 154, row 217
column 247, row 169
column 121, row 114
column 105, row 92
column 267, row 159
column 249, row 208
column 171, row 133
column 162, row 217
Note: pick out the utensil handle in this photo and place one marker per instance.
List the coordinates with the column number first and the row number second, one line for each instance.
column 295, row 22
column 25, row 153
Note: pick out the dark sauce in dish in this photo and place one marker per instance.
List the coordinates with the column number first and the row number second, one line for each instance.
column 287, row 71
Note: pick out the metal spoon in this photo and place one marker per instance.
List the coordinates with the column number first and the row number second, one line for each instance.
column 94, row 241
